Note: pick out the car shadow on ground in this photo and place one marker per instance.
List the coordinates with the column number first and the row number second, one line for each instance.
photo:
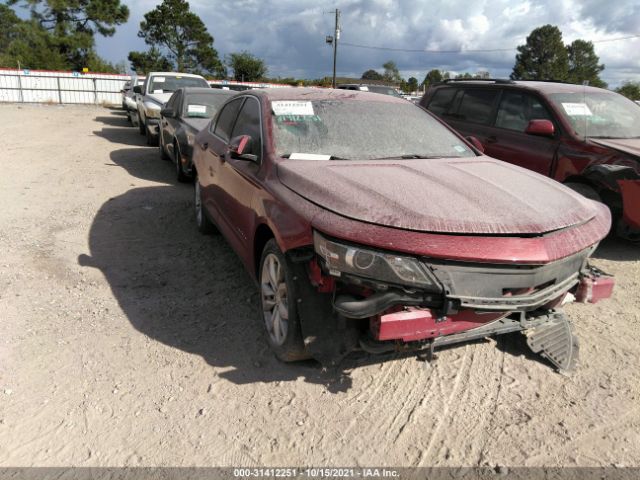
column 617, row 249
column 186, row 290
column 145, row 164
column 114, row 119
column 118, row 130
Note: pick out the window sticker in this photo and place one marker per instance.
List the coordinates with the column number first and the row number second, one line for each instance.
column 577, row 109
column 459, row 148
column 158, row 91
column 309, row 156
column 197, row 109
column 292, row 107
column 159, row 79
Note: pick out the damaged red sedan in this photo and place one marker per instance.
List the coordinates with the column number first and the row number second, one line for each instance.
column 370, row 225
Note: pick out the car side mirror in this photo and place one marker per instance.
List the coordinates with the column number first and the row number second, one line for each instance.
column 238, row 146
column 168, row 112
column 137, row 89
column 476, row 143
column 542, row 128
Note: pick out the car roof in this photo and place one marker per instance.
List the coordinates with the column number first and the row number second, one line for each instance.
column 175, row 74
column 539, row 86
column 313, row 94
column 211, row 91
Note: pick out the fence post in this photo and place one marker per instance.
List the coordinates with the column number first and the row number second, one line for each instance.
column 59, row 93
column 95, row 91
column 20, row 87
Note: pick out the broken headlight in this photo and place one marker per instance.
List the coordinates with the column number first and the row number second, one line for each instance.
column 376, row 265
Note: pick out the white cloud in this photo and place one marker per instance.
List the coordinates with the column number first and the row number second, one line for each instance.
column 289, row 34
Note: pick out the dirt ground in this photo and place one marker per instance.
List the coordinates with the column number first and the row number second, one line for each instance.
column 129, row 339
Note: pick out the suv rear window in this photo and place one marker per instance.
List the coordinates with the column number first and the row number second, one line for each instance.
column 476, row 105
column 441, row 100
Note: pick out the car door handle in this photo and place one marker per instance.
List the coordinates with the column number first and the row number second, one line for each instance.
column 492, row 139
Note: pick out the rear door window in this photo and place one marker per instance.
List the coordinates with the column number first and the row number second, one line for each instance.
column 441, row 100
column 477, row 105
column 516, row 109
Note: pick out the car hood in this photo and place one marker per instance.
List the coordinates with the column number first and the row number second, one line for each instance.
column 196, row 123
column 467, row 196
column 159, row 98
column 627, row 145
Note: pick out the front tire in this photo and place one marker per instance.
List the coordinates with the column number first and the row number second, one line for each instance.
column 151, row 139
column 203, row 223
column 141, row 125
column 278, row 300
column 163, row 152
column 180, row 175
column 584, row 190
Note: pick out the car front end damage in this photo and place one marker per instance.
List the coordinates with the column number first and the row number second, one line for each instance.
column 382, row 301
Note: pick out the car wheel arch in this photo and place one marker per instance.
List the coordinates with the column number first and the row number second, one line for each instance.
column 262, row 235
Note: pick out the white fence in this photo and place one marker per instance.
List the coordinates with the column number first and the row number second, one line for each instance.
column 39, row 86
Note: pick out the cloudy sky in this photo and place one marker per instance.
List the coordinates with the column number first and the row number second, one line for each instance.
column 289, row 35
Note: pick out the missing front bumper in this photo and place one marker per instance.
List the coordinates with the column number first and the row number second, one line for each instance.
column 550, row 335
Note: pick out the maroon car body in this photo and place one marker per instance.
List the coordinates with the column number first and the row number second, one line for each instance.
column 585, row 137
column 463, row 247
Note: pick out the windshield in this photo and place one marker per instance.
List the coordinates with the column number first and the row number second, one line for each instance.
column 205, row 105
column 360, row 129
column 599, row 114
column 384, row 90
column 168, row 84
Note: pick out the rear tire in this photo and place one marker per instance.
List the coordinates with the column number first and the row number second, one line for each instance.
column 205, row 226
column 278, row 305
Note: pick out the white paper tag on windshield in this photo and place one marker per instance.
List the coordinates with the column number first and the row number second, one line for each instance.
column 159, row 79
column 158, row 91
column 309, row 156
column 577, row 109
column 292, row 107
column 197, row 109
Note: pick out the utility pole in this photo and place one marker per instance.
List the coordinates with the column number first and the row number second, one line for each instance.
column 333, row 40
column 335, row 46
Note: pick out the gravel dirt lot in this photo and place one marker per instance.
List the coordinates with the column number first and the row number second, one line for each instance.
column 129, row 339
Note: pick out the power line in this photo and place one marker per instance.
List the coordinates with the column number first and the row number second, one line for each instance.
column 485, row 50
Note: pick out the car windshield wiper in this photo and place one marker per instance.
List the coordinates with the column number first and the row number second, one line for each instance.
column 331, row 157
column 611, row 138
column 409, row 156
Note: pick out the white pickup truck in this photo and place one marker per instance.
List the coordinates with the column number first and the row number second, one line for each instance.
column 154, row 92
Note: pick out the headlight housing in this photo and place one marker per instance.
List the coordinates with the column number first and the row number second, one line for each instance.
column 152, row 110
column 375, row 265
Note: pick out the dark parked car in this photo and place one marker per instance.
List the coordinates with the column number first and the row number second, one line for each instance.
column 369, row 224
column 186, row 113
column 587, row 138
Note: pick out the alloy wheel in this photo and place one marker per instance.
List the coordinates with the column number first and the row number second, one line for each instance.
column 275, row 302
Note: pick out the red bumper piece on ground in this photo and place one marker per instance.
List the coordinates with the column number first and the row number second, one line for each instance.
column 594, row 287
column 419, row 324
